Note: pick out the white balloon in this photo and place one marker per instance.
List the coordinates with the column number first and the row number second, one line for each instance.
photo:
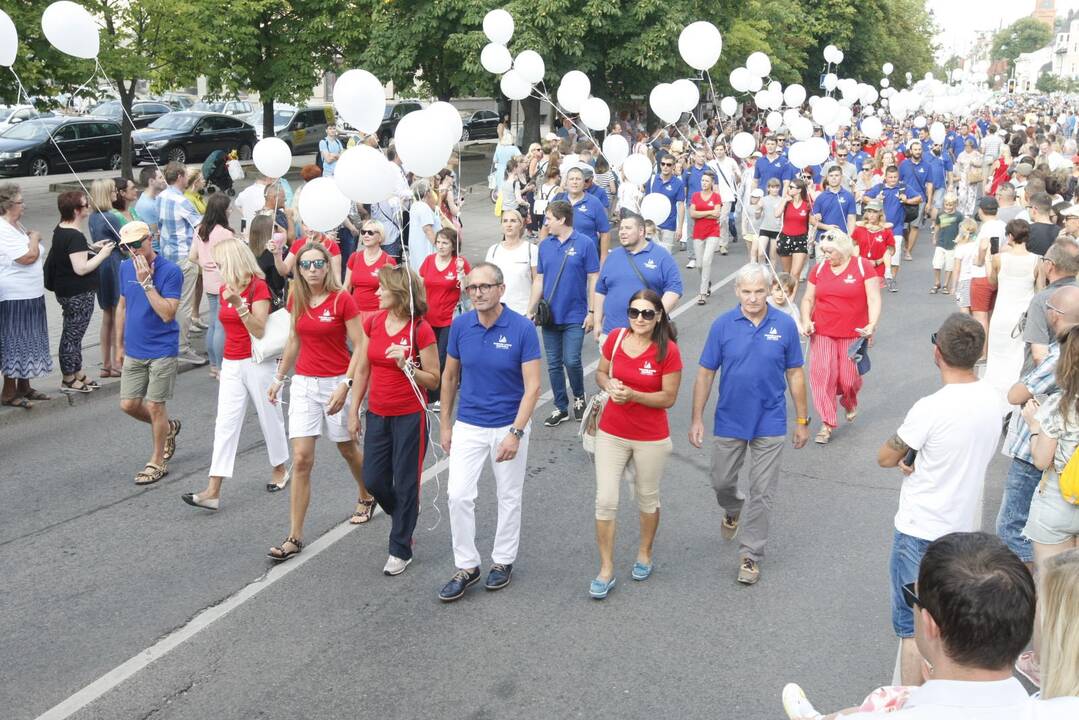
column 700, row 45
column 272, row 157
column 616, row 150
column 322, row 206
column 801, row 128
column 740, row 79
column 872, row 128
column 885, row 82
column 9, row 40
column 360, row 99
column 688, row 94
column 495, row 58
column 743, row 145
column 514, row 86
column 656, row 207
column 755, row 83
column 71, row 29
column 530, row 65
column 798, row 155
column 664, row 103
column 759, row 64
column 790, row 116
column 794, row 95
column 362, row 174
column 919, row 122
column 929, row 76
column 448, row 120
column 729, row 106
column 422, row 148
column 573, row 90
column 887, row 69
column 637, row 169
column 818, row 150
column 837, row 57
column 498, row 26
column 828, row 51
column 825, row 110
column 937, row 132
column 831, row 80
column 774, row 121
column 869, row 95
column 763, row 99
column 775, row 87
column 595, row 114
column 813, row 100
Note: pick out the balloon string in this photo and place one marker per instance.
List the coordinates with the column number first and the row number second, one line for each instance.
column 581, row 127
column 123, row 110
column 715, row 100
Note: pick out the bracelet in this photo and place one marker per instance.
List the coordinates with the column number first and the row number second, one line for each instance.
column 147, row 286
column 280, row 379
column 243, row 314
column 1033, row 434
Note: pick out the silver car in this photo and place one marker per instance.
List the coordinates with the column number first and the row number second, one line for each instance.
column 301, row 128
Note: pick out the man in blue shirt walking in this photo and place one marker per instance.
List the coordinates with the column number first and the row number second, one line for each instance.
column 896, row 195
column 671, row 186
column 493, row 356
column 589, row 215
column 834, row 207
column 916, row 172
column 758, row 354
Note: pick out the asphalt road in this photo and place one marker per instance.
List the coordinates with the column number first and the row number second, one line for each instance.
column 97, row 572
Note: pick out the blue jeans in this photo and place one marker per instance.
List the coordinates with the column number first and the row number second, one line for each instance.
column 562, row 344
column 347, row 242
column 215, row 333
column 1022, row 481
column 907, row 553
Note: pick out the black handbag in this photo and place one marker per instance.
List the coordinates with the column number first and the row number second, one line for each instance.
column 910, row 212
column 544, row 317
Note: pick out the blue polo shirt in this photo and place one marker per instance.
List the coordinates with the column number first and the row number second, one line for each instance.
column 569, row 300
column 146, row 337
column 859, row 158
column 589, row 216
column 675, row 190
column 916, row 175
column 492, row 381
column 833, row 208
column 893, row 206
column 940, row 166
column 600, row 194
column 618, row 282
column 692, row 179
column 752, row 361
column 959, row 143
column 765, row 169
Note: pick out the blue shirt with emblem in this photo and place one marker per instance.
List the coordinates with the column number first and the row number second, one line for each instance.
column 589, row 216
column 569, row 299
column 618, row 281
column 600, row 194
column 752, row 361
column 146, row 336
column 916, row 175
column 859, row 159
column 692, row 179
column 893, row 206
column 833, row 208
column 492, row 379
column 675, row 190
column 765, row 169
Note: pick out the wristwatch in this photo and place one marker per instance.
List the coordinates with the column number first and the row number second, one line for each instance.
column 802, row 420
column 348, row 381
column 516, row 432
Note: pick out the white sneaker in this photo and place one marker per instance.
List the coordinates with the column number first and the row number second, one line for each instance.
column 796, row 705
column 395, row 565
column 192, row 357
column 691, row 264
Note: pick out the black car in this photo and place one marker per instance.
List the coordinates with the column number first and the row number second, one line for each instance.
column 191, row 135
column 394, row 113
column 479, row 124
column 142, row 112
column 75, row 143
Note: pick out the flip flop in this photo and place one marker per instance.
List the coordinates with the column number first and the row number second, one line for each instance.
column 33, row 394
column 19, row 402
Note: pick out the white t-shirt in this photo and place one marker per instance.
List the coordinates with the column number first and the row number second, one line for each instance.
column 518, row 266
column 629, row 196
column 964, row 256
column 989, row 229
column 19, row 282
column 725, row 180
column 419, row 247
column 955, row 431
column 959, row 700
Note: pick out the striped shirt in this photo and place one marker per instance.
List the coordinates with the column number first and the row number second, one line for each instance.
column 1039, row 381
column 178, row 220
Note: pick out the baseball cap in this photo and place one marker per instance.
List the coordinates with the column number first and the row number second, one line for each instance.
column 757, row 193
column 134, row 232
column 875, row 204
column 586, row 170
column 1072, row 211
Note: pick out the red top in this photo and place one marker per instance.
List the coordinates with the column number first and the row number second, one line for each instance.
column 327, row 242
column 323, row 336
column 706, row 227
column 841, row 304
column 443, row 289
column 873, row 245
column 365, row 279
column 390, row 393
column 796, row 219
column 633, row 421
column 237, row 337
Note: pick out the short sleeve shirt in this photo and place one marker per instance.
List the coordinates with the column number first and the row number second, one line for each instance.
column 840, row 302
column 323, row 336
column 237, row 336
column 146, row 335
column 364, row 279
column 872, row 245
column 589, row 216
column 443, row 289
column 644, row 373
column 390, row 392
column 327, row 242
column 706, row 227
column 675, row 191
column 569, row 299
column 618, row 281
column 834, row 208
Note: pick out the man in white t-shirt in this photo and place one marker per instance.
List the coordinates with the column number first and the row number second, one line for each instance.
column 252, row 200
column 953, row 433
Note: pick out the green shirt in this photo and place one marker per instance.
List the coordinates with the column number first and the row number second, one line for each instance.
column 948, row 229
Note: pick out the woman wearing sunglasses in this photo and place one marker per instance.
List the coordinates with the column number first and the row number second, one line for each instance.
column 640, row 370
column 361, row 277
column 285, row 266
column 324, row 316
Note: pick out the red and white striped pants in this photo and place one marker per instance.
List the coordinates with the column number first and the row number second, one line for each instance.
column 832, row 373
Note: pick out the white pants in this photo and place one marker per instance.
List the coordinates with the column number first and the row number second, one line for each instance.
column 470, row 447
column 705, row 250
column 308, row 398
column 241, row 379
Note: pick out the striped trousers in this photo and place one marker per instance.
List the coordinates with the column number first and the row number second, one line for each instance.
column 832, row 374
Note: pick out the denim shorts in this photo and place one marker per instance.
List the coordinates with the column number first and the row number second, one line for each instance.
column 907, row 552
column 1052, row 519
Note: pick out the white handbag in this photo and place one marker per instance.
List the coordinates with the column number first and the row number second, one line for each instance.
column 274, row 336
column 236, row 170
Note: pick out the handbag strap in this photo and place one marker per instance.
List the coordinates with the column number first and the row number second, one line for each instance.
column 565, row 257
column 637, row 270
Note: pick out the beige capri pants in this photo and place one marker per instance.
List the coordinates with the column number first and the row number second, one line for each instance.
column 613, row 454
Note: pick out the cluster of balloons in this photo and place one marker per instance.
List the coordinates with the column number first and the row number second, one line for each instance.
column 669, row 100
column 67, row 25
column 833, row 55
column 700, row 45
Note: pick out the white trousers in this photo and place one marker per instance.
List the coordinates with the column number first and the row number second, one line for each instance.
column 705, row 250
column 241, row 379
column 470, row 447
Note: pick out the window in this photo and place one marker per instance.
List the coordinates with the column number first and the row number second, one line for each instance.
column 213, row 123
column 64, row 134
column 156, row 109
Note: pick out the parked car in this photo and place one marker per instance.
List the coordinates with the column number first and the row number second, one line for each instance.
column 15, row 114
column 394, row 112
column 226, row 107
column 142, row 112
column 75, row 143
column 191, row 135
column 479, row 124
column 179, row 101
column 301, row 128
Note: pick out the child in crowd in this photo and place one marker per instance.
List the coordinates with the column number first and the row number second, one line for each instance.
column 782, row 297
column 771, row 223
column 965, row 250
column 947, row 227
column 651, row 233
column 751, row 224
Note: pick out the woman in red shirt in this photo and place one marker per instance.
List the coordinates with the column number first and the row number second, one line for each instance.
column 324, row 317
column 841, row 305
column 640, row 369
column 874, row 238
column 443, row 273
column 286, row 265
column 244, row 308
column 398, row 344
column 706, row 207
column 797, row 212
column 361, row 277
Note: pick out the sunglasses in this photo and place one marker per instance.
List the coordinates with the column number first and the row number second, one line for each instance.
column 933, row 338
column 368, row 232
column 910, row 597
column 666, row 164
column 316, row 264
column 635, row 313
column 129, row 246
column 481, row 289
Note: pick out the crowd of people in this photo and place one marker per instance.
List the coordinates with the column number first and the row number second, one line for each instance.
column 378, row 332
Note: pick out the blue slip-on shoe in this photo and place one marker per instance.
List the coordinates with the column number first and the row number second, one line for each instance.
column 461, row 581
column 499, row 576
column 599, row 588
column 641, row 571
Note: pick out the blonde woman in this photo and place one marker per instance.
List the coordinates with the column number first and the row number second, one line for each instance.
column 243, row 310
column 1058, row 599
column 104, row 225
column 324, row 317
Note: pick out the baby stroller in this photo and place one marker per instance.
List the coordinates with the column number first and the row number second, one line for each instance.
column 215, row 169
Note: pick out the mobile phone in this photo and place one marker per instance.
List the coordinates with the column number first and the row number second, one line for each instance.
column 908, row 459
column 994, row 245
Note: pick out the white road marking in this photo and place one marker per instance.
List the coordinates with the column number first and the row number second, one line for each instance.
column 210, row 615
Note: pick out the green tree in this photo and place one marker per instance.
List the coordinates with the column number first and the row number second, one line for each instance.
column 1022, row 36
column 1049, row 83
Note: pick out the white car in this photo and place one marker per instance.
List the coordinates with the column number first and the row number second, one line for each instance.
column 15, row 114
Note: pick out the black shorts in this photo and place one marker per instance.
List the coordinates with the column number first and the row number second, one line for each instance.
column 772, row 234
column 791, row 245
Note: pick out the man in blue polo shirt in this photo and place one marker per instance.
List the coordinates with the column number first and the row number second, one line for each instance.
column 916, row 172
column 691, row 179
column 590, row 187
column 672, row 187
column 834, row 207
column 756, row 350
column 566, row 278
column 589, row 215
column 636, row 265
column 772, row 165
column 493, row 356
column 895, row 194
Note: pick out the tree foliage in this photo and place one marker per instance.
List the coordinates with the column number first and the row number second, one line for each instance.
column 1022, row 36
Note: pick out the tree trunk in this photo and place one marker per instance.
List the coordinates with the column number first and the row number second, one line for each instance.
column 531, row 131
column 267, row 117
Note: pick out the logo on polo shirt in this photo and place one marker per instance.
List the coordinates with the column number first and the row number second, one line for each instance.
column 450, row 275
column 849, row 280
column 842, row 201
column 651, row 264
column 571, row 252
column 503, row 343
column 374, row 273
column 773, row 334
column 326, row 316
column 647, row 368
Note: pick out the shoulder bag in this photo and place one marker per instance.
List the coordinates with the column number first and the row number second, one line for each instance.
column 274, row 335
column 590, row 421
column 544, row 317
column 637, row 270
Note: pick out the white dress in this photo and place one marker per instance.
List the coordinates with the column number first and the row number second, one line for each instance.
column 1015, row 288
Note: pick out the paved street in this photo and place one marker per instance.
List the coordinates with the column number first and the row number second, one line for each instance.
column 98, row 574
